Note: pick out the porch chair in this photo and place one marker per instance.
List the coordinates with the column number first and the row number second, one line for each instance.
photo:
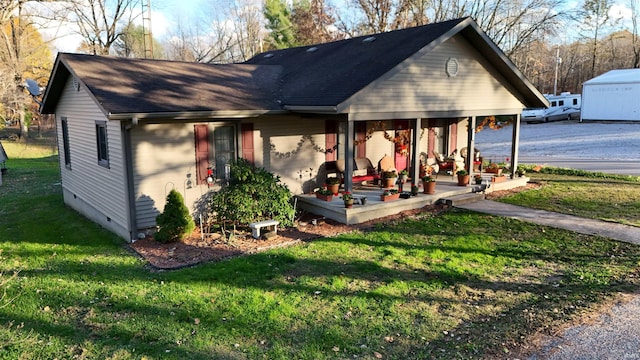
column 445, row 165
column 477, row 160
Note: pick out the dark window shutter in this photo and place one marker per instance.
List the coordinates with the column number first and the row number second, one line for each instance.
column 247, row 142
column 202, row 152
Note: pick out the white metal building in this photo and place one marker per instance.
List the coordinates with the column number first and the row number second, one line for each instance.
column 612, row 96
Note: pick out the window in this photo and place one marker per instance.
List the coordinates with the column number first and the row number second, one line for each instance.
column 65, row 143
column 561, row 103
column 224, row 147
column 553, row 103
column 575, row 101
column 101, row 141
column 217, row 154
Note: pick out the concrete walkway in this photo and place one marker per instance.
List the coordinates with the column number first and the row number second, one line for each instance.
column 615, row 334
column 620, row 232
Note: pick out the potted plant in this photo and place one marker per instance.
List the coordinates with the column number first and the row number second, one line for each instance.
column 414, row 189
column 520, row 171
column 493, row 168
column 404, row 175
column 333, row 184
column 428, row 184
column 478, row 179
column 390, row 194
column 324, row 194
column 463, row 177
column 389, row 178
column 347, row 197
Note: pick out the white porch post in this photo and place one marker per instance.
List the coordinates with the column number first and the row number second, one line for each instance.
column 348, row 157
column 415, row 150
column 471, row 144
column 515, row 145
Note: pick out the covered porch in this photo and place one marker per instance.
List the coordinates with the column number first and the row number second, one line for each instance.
column 374, row 207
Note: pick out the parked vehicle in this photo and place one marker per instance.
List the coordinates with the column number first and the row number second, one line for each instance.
column 565, row 106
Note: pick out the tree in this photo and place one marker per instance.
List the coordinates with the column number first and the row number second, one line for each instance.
column 279, row 23
column 23, row 55
column 131, row 43
column 595, row 16
column 313, row 22
column 100, row 22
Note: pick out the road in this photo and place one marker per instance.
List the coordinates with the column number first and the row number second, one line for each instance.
column 607, row 147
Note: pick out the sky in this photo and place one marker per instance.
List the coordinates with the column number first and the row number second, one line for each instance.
column 167, row 14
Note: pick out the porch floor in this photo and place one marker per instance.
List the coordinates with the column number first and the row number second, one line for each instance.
column 446, row 186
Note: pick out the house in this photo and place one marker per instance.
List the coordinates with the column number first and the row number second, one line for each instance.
column 612, row 96
column 130, row 130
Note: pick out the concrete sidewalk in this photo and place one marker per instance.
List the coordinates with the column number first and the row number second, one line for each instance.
column 620, row 232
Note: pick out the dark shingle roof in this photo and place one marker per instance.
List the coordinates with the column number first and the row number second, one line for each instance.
column 332, row 72
column 323, row 75
column 124, row 85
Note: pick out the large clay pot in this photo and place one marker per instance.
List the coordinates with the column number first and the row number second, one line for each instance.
column 463, row 180
column 429, row 187
column 334, row 188
column 389, row 183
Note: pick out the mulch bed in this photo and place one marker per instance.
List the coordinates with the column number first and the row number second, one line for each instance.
column 198, row 249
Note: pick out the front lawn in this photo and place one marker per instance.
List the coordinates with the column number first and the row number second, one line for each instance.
column 455, row 285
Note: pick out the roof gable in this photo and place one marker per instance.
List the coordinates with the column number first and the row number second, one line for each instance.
column 327, row 74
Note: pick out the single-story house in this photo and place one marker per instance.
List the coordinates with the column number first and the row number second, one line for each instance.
column 612, row 96
column 130, row 130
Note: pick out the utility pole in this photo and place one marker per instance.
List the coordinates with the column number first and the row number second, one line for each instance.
column 558, row 62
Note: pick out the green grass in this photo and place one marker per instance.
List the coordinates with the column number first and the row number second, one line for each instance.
column 455, row 285
column 592, row 195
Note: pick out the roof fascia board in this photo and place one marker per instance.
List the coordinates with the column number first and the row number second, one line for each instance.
column 312, row 109
column 343, row 107
column 190, row 115
column 363, row 116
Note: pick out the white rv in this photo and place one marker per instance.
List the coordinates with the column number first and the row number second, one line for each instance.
column 565, row 106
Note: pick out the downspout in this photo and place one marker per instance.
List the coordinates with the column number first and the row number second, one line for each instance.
column 515, row 145
column 471, row 144
column 128, row 160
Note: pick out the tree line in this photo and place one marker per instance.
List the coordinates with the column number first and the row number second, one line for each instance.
column 557, row 48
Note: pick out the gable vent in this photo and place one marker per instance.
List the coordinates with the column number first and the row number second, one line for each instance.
column 452, row 67
column 369, row 39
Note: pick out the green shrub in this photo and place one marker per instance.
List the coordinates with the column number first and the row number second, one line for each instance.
column 175, row 222
column 253, row 194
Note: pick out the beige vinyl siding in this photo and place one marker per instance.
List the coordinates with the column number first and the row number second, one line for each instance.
column 98, row 192
column 422, row 85
column 163, row 159
column 292, row 154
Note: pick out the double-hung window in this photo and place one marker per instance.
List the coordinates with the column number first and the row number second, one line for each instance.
column 101, row 141
column 65, row 143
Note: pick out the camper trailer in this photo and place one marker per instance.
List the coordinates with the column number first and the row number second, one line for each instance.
column 565, row 106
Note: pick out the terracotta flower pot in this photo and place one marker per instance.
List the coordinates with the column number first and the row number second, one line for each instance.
column 463, row 180
column 389, row 183
column 324, row 197
column 334, row 188
column 390, row 197
column 429, row 187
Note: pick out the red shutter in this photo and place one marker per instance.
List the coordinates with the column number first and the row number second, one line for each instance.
column 431, row 139
column 361, row 133
column 202, row 152
column 247, row 142
column 453, row 138
column 331, row 140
